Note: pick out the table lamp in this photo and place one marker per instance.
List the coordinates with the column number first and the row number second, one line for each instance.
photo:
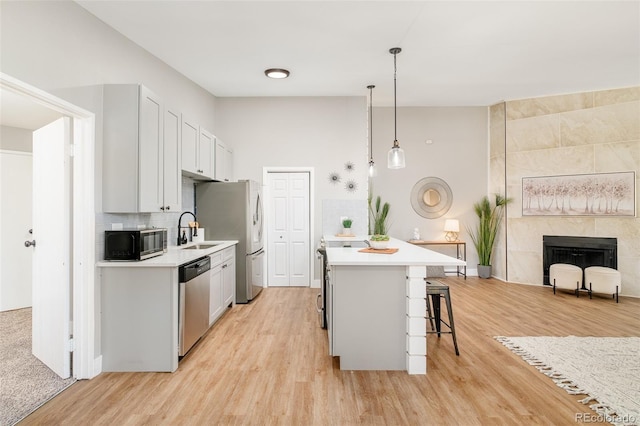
column 451, row 227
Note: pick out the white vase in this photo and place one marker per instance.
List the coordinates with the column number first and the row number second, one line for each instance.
column 346, row 231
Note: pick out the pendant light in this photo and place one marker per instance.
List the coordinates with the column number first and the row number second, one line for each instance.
column 372, row 169
column 395, row 158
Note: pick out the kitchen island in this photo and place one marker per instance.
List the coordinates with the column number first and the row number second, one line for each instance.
column 376, row 309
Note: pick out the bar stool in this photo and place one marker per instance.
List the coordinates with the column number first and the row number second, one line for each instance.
column 437, row 290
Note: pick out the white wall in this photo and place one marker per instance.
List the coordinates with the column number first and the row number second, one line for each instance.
column 15, row 139
column 458, row 155
column 57, row 45
column 324, row 133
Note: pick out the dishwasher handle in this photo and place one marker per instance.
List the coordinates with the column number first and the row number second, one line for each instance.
column 190, row 270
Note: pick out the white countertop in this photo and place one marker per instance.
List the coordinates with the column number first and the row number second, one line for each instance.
column 408, row 254
column 175, row 256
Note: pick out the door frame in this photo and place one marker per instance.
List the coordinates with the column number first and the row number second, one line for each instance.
column 84, row 364
column 266, row 208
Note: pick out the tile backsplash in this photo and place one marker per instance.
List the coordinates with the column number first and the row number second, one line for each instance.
column 356, row 210
column 149, row 220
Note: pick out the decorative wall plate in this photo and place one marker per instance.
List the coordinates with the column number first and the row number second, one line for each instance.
column 431, row 197
column 334, row 178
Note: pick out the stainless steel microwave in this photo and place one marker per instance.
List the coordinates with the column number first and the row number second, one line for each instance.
column 134, row 244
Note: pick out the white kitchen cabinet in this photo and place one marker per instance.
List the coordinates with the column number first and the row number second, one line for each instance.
column 136, row 162
column 215, row 290
column 223, row 282
column 139, row 318
column 206, row 155
column 198, row 150
column 190, row 137
column 224, row 162
column 229, row 275
column 172, row 178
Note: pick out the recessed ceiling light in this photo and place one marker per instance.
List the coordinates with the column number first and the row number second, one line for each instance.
column 276, row 73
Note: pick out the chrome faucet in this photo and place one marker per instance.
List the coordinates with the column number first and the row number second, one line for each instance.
column 183, row 239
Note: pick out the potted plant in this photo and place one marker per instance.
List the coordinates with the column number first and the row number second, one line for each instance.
column 484, row 235
column 379, row 242
column 378, row 217
column 346, row 226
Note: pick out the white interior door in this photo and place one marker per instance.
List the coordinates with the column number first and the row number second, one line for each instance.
column 15, row 222
column 288, row 227
column 51, row 233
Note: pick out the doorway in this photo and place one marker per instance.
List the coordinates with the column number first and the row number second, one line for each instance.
column 289, row 218
column 15, row 223
column 79, row 316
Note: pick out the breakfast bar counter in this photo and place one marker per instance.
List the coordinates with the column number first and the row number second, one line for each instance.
column 376, row 309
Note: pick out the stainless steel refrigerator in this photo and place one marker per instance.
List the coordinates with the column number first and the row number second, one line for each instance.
column 233, row 211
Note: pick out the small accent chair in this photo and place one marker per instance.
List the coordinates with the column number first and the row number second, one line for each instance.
column 437, row 290
column 603, row 280
column 563, row 275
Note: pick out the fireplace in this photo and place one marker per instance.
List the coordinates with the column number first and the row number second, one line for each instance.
column 579, row 251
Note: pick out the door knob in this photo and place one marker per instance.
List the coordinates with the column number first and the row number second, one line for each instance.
column 30, row 243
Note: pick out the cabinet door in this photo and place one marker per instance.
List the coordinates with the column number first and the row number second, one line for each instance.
column 221, row 157
column 151, row 161
column 224, row 160
column 229, row 280
column 215, row 294
column 206, row 153
column 190, row 132
column 172, row 176
column 228, row 165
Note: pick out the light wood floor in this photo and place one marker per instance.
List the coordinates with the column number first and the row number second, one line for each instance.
column 267, row 363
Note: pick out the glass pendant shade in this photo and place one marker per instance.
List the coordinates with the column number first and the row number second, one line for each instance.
column 395, row 158
column 372, row 169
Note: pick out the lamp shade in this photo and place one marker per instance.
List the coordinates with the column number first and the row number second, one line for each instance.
column 451, row 225
column 395, row 158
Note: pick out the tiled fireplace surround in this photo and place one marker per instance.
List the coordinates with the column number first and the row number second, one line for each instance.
column 592, row 132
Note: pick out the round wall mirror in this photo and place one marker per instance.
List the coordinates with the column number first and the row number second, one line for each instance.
column 431, row 197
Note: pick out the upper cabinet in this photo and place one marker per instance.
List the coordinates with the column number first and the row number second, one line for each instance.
column 141, row 151
column 224, row 162
column 197, row 150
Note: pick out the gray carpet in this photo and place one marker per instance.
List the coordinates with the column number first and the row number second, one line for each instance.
column 25, row 382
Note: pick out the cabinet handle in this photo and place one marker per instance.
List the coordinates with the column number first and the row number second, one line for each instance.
column 162, row 208
column 168, row 207
column 224, row 266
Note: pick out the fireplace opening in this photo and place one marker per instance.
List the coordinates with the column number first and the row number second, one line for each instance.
column 579, row 251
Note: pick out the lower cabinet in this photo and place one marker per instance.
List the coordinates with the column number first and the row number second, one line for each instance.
column 139, row 318
column 215, row 290
column 229, row 276
column 223, row 282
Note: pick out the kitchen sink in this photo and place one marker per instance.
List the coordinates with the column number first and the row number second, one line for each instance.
column 201, row 246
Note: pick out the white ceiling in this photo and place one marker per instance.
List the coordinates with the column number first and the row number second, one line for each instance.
column 454, row 53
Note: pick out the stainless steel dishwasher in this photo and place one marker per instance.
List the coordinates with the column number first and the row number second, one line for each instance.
column 194, row 302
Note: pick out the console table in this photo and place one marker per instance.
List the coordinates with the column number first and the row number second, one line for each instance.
column 461, row 251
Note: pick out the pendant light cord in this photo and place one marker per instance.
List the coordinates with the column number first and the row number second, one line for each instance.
column 395, row 108
column 370, row 87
